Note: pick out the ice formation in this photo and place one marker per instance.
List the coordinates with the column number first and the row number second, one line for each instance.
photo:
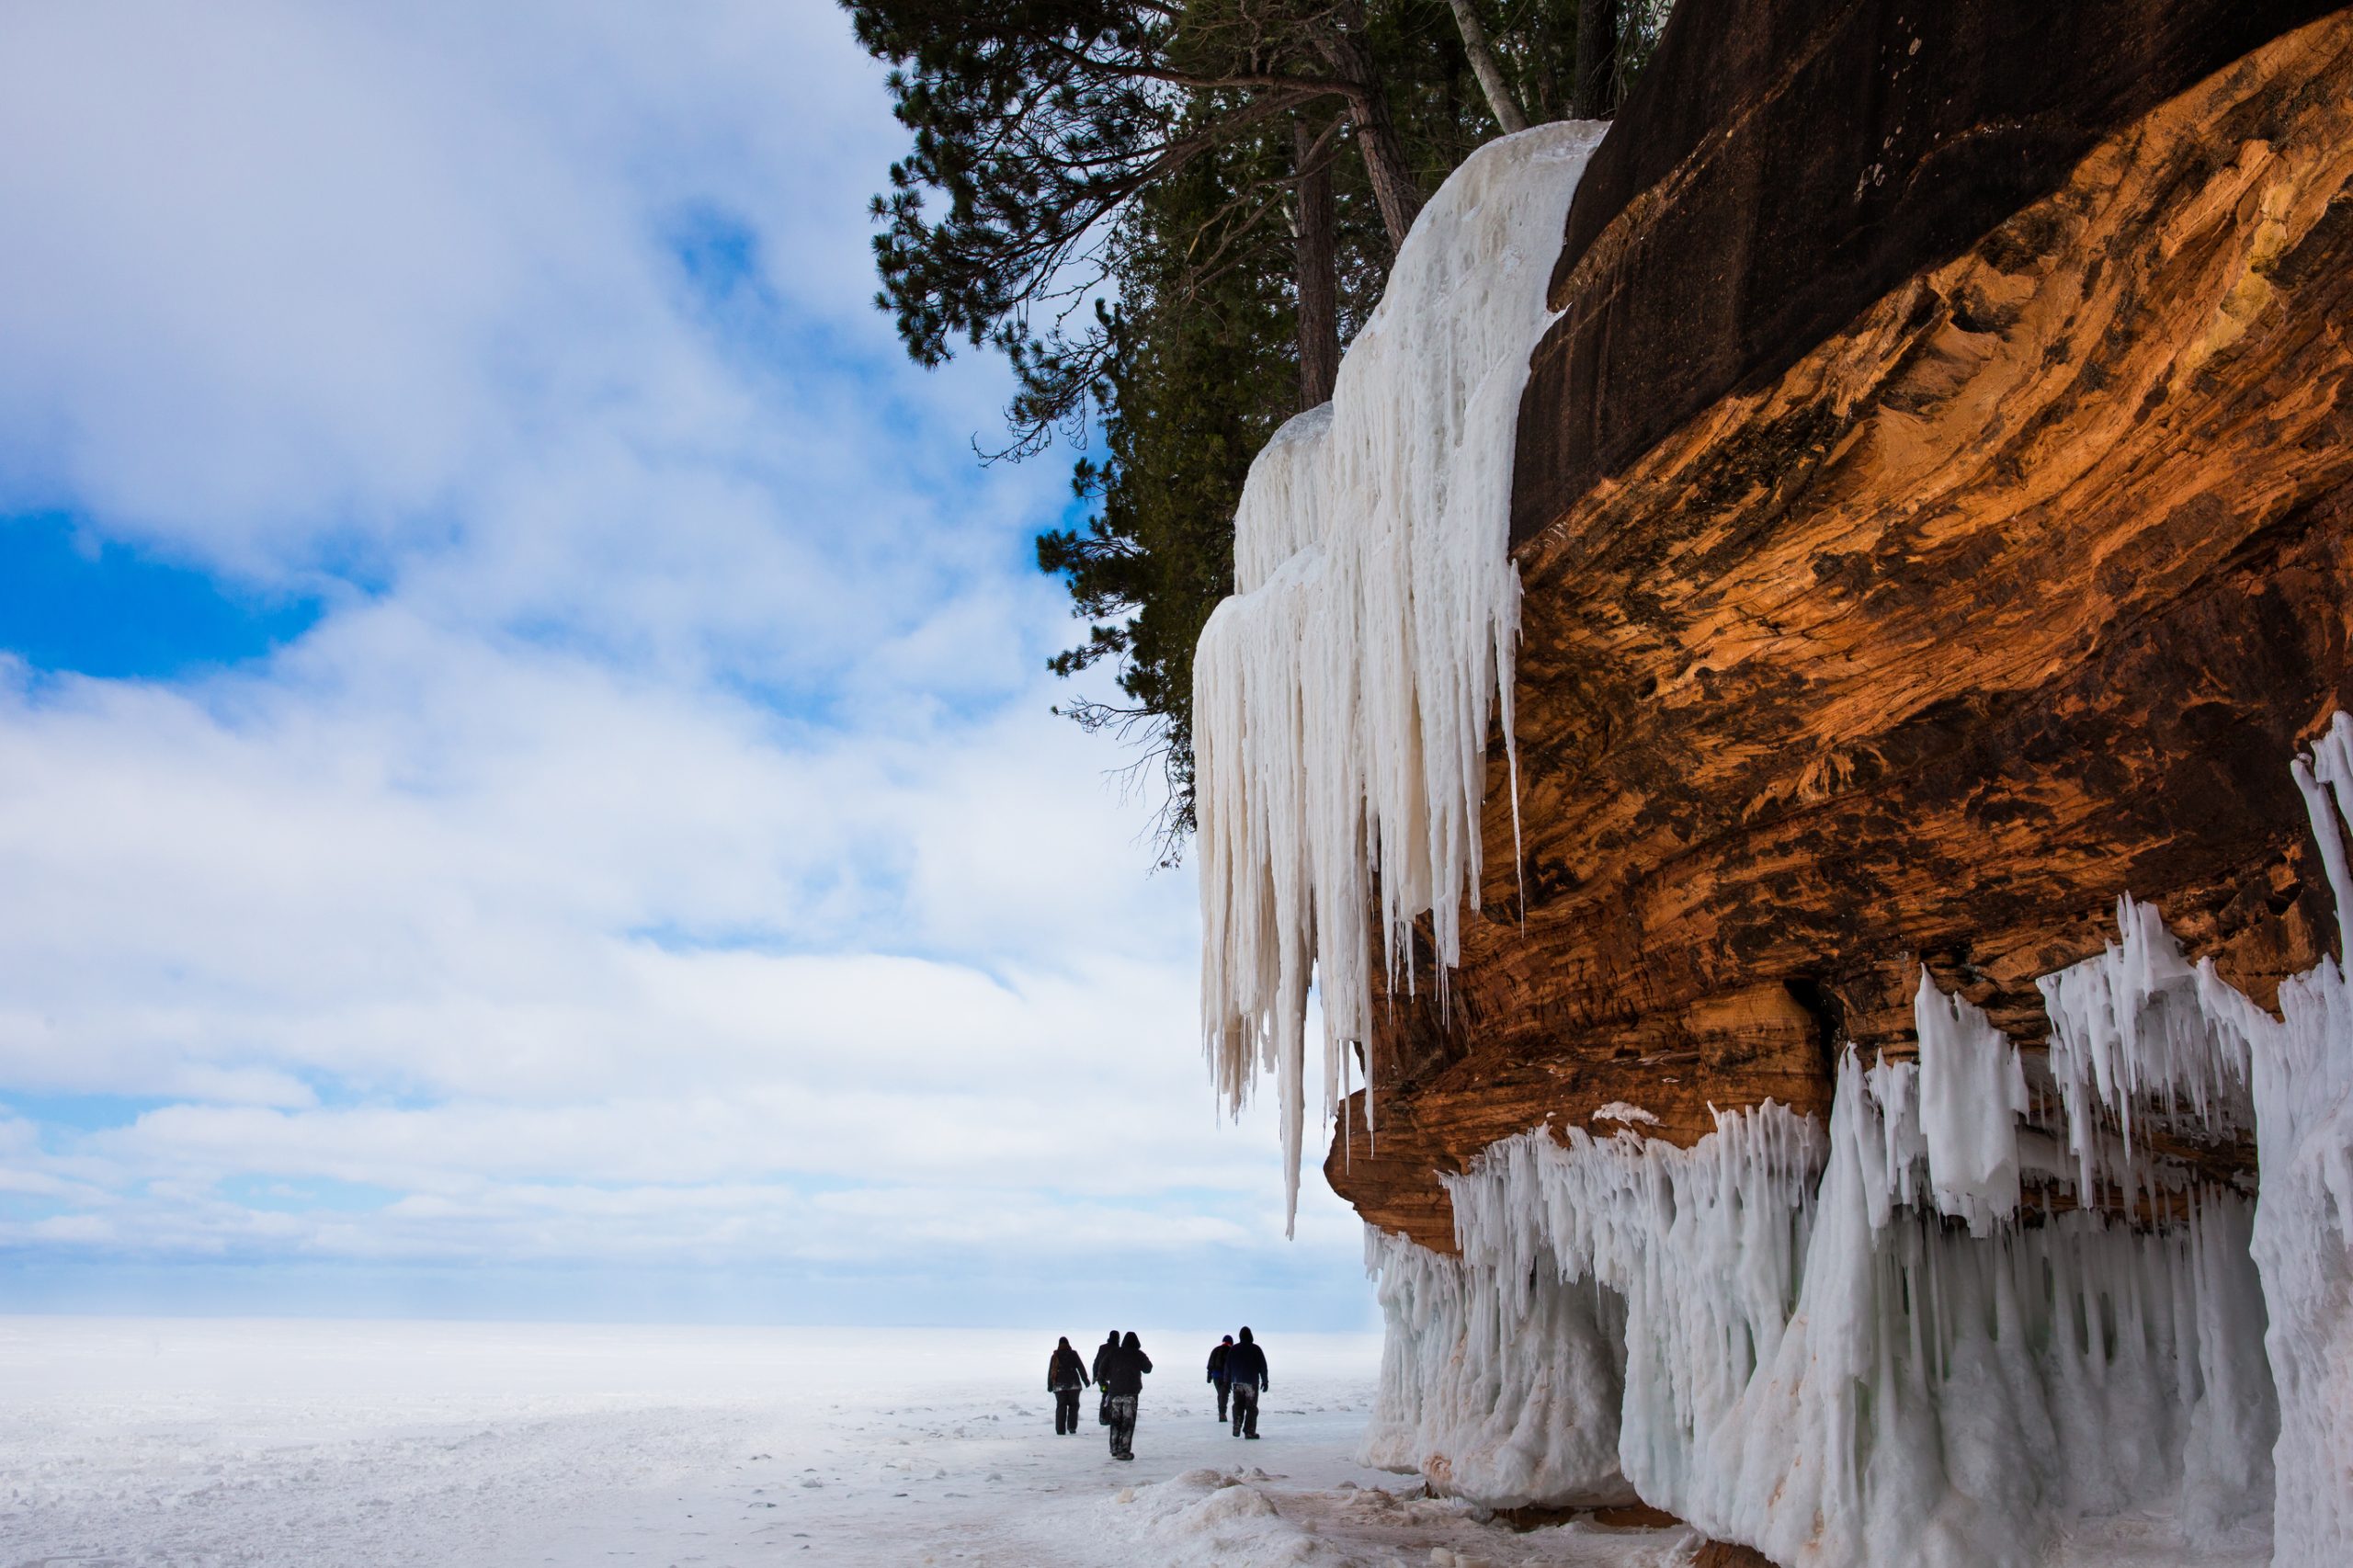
column 1846, row 1346
column 2302, row 1072
column 1618, row 1110
column 1502, row 1386
column 1342, row 695
column 1856, row 1347
column 1972, row 1092
column 1815, row 1363
column 2134, row 1048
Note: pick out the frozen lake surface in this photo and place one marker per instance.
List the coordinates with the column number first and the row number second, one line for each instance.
column 354, row 1445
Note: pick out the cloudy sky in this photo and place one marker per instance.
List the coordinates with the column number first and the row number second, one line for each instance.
column 525, row 784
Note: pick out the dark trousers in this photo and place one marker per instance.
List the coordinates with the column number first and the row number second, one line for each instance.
column 1123, row 1426
column 1065, row 1411
column 1222, row 1386
column 1245, row 1410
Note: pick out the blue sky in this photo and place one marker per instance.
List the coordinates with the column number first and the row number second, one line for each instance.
column 525, row 779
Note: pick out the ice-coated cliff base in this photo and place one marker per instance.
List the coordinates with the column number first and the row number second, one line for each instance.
column 1934, row 1333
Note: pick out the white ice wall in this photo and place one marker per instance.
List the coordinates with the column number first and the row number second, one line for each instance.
column 1500, row 1387
column 1817, row 1365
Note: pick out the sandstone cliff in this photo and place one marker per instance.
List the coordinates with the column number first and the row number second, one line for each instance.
column 1933, row 511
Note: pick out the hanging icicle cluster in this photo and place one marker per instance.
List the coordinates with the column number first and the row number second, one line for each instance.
column 1341, row 697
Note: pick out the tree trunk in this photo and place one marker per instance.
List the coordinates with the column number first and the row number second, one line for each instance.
column 1314, row 259
column 1490, row 70
column 1596, row 69
column 1394, row 189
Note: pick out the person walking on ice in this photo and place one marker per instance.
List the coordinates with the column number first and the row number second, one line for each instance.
column 1246, row 1369
column 1121, row 1369
column 1111, row 1346
column 1065, row 1375
column 1217, row 1378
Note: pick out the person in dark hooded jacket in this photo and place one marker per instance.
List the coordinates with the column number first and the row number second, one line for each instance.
column 1217, row 1378
column 1065, row 1375
column 1246, row 1367
column 1110, row 1344
column 1122, row 1372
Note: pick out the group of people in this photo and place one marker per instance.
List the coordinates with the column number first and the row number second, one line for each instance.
column 1238, row 1372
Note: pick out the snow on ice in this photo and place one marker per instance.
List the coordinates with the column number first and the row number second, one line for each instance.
column 362, row 1445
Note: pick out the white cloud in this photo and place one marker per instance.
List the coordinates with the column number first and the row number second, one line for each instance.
column 660, row 848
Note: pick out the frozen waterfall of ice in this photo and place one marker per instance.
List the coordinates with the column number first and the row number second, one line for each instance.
column 1342, row 695
column 1855, row 1346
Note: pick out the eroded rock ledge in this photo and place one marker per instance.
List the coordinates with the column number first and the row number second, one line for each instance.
column 1910, row 634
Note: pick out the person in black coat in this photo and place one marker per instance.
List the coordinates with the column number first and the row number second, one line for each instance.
column 1065, row 1375
column 1245, row 1368
column 1217, row 1371
column 1103, row 1411
column 1121, row 1369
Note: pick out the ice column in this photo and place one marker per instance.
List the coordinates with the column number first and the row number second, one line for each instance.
column 2303, row 1069
column 1342, row 695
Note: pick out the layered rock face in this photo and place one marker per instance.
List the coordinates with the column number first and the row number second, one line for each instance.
column 2004, row 598
column 1883, row 1091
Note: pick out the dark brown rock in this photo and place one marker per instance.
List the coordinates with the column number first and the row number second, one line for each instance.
column 1783, row 163
column 1724, row 1554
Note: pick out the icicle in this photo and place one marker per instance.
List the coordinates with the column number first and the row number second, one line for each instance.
column 2130, row 1038
column 1342, row 695
column 1972, row 1092
column 2332, row 765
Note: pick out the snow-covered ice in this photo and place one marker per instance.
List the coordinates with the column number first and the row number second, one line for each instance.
column 361, row 1445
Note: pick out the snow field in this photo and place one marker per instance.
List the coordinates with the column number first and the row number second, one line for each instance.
column 141, row 1443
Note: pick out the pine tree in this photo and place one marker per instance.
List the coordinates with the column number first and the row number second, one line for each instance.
column 1171, row 217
